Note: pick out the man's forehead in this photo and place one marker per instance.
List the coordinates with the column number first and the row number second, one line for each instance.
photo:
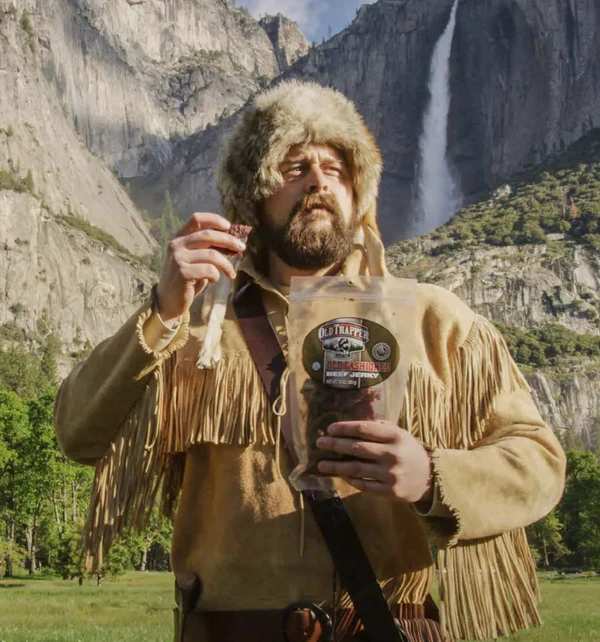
column 298, row 152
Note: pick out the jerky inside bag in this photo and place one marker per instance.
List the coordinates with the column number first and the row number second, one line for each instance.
column 351, row 340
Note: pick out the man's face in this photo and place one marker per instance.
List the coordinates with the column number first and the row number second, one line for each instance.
column 310, row 221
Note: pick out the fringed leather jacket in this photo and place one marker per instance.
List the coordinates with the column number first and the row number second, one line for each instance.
column 153, row 423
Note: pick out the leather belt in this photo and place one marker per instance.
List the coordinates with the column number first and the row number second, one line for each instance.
column 301, row 625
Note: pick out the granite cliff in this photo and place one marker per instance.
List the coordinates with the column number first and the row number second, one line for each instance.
column 69, row 233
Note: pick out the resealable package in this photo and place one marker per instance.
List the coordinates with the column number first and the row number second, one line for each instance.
column 351, row 341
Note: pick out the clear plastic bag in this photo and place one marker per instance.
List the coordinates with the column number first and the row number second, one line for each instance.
column 351, row 341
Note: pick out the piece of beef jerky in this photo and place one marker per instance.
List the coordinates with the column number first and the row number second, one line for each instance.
column 241, row 232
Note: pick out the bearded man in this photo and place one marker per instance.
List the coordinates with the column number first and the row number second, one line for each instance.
column 468, row 464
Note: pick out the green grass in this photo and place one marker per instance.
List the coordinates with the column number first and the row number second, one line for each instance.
column 137, row 607
column 132, row 608
column 570, row 611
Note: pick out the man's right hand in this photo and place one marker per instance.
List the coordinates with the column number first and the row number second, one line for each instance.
column 193, row 260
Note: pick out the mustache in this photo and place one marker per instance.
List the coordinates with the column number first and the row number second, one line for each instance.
column 313, row 201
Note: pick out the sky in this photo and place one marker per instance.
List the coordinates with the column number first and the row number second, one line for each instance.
column 317, row 18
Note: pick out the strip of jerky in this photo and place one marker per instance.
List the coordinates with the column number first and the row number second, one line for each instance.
column 217, row 297
column 240, row 231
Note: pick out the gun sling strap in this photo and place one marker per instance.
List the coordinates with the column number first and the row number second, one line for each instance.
column 341, row 538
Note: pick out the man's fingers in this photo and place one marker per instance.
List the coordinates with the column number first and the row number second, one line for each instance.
column 200, row 272
column 214, row 257
column 202, row 220
column 211, row 238
column 378, row 431
column 354, row 447
column 353, row 469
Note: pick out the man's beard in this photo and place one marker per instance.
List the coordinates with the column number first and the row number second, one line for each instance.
column 304, row 244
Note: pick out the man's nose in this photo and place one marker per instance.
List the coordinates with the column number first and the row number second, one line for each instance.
column 316, row 180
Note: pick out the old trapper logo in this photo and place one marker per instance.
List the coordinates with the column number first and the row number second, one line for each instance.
column 344, row 336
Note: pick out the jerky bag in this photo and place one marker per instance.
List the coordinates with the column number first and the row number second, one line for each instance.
column 351, row 340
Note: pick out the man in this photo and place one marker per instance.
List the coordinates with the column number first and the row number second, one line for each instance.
column 467, row 465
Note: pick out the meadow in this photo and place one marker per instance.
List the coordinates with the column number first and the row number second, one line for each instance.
column 138, row 607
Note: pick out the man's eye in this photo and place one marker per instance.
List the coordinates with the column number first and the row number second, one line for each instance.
column 294, row 171
column 334, row 169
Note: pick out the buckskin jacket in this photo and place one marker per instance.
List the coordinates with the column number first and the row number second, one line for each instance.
column 141, row 411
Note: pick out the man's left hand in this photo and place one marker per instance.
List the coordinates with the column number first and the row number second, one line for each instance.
column 389, row 460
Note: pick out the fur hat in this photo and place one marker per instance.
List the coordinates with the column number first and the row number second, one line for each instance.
column 294, row 113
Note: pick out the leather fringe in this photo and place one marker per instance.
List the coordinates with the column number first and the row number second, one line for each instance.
column 181, row 407
column 423, row 630
column 417, row 630
column 488, row 587
column 482, row 368
column 411, row 587
column 127, row 478
column 222, row 405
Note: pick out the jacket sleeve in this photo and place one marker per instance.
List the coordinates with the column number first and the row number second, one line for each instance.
column 511, row 478
column 96, row 397
column 511, row 472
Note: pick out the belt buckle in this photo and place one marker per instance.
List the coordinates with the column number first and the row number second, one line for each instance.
column 320, row 615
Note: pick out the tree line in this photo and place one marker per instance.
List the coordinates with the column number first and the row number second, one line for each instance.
column 44, row 496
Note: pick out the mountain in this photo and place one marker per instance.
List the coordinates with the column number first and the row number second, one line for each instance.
column 289, row 42
column 523, row 80
column 132, row 76
column 69, row 233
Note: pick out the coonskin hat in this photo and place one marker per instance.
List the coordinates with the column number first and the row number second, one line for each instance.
column 294, row 113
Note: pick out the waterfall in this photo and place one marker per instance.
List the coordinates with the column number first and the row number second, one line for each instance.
column 438, row 196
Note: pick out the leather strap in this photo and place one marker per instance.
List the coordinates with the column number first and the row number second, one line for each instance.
column 265, row 626
column 341, row 538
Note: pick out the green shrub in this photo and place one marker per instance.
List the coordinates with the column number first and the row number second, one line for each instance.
column 10, row 180
column 108, row 240
column 550, row 344
column 27, row 27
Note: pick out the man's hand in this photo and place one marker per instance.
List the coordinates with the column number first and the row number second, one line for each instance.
column 193, row 260
column 389, row 460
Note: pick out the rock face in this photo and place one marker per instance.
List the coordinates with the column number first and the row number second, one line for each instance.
column 38, row 138
column 56, row 275
column 288, row 41
column 524, row 84
column 132, row 76
column 55, row 268
column 569, row 403
column 521, row 286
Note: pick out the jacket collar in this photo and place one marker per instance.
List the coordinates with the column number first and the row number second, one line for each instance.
column 350, row 267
